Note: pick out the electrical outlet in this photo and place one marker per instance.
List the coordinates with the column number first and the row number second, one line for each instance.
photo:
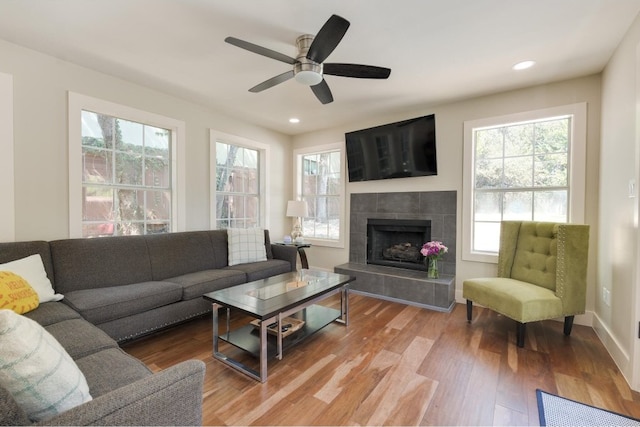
column 606, row 296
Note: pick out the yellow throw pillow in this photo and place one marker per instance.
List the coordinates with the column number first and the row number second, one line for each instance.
column 16, row 294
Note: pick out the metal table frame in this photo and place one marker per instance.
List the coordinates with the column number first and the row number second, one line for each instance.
column 262, row 375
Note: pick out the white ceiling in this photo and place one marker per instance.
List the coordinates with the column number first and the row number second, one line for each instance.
column 438, row 50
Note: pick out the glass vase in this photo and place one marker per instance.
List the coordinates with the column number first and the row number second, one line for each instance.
column 432, row 268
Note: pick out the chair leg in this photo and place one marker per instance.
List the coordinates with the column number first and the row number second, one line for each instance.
column 568, row 324
column 520, row 333
column 469, row 310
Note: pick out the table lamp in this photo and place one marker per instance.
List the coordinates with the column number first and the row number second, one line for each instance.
column 296, row 209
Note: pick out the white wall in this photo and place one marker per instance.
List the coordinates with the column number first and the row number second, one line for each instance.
column 618, row 258
column 40, row 85
column 7, row 214
column 449, row 134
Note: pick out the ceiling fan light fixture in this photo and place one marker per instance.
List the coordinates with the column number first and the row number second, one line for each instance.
column 309, row 78
column 307, row 72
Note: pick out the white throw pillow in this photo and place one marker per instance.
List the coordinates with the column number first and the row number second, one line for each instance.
column 32, row 270
column 246, row 245
column 40, row 375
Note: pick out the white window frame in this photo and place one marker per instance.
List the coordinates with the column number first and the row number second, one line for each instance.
column 577, row 168
column 215, row 135
column 297, row 167
column 79, row 102
column 7, row 190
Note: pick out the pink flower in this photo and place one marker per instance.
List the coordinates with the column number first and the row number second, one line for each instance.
column 433, row 249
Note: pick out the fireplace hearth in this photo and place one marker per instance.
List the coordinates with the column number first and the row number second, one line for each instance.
column 397, row 242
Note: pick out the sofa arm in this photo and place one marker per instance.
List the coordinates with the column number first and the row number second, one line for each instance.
column 169, row 397
column 286, row 253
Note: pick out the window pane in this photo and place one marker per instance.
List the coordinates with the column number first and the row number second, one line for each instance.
column 518, row 206
column 486, row 236
column 98, row 229
column 156, row 140
column 130, row 205
column 128, row 169
column 158, row 207
column 552, row 136
column 518, row 140
column 157, row 172
column 130, row 135
column 97, row 130
column 518, row 172
column 489, row 144
column 97, row 166
column 489, row 173
column 97, row 203
column 551, row 170
column 550, row 206
column 487, row 206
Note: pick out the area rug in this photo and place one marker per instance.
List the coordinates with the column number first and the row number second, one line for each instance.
column 557, row 411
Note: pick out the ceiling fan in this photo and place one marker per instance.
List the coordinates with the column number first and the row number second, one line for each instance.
column 309, row 66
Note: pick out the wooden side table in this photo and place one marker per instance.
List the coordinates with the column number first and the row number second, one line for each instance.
column 300, row 246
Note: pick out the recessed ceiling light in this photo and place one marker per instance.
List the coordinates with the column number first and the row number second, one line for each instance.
column 523, row 65
column 294, row 120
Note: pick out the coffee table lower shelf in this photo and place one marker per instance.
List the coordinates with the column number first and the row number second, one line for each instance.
column 315, row 317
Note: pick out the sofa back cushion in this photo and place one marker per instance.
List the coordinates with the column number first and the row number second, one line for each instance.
column 98, row 263
column 12, row 251
column 175, row 254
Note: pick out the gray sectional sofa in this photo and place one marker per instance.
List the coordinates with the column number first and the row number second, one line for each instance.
column 121, row 288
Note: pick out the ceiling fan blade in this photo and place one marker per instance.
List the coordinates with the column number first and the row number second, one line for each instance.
column 281, row 78
column 356, row 70
column 322, row 92
column 260, row 50
column 327, row 38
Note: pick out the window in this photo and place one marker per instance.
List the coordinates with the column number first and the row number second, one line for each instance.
column 237, row 176
column 526, row 167
column 320, row 182
column 123, row 170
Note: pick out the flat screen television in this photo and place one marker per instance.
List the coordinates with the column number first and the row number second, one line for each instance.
column 395, row 150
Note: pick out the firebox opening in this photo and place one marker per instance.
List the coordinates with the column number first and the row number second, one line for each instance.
column 397, row 242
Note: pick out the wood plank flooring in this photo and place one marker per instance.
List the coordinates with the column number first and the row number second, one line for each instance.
column 401, row 365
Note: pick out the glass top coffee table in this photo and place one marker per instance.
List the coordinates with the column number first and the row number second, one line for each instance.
column 285, row 310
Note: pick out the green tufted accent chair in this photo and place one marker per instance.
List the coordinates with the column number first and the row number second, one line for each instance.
column 542, row 274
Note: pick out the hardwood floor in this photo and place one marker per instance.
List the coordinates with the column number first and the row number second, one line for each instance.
column 402, row 365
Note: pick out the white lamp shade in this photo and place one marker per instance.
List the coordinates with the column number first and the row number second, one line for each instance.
column 297, row 208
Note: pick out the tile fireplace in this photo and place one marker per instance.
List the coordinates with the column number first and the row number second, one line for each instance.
column 390, row 222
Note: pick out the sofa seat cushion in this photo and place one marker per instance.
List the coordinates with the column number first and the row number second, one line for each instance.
column 80, row 338
column 521, row 301
column 263, row 269
column 49, row 313
column 110, row 369
column 11, row 414
column 105, row 304
column 194, row 285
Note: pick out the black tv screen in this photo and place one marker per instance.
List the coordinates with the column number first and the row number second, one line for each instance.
column 395, row 150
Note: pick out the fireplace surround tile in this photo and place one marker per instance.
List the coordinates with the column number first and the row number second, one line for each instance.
column 411, row 286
